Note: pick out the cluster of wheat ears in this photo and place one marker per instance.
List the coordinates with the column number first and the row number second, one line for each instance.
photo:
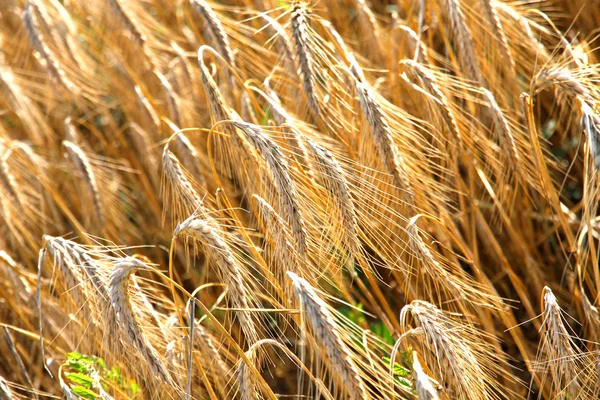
column 280, row 200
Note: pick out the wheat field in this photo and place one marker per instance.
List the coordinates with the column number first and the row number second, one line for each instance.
column 272, row 199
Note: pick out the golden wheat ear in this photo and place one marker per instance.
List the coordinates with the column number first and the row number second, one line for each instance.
column 327, row 334
column 279, row 170
column 561, row 364
column 304, row 56
column 348, row 358
column 233, row 273
column 120, row 278
column 459, row 353
column 445, row 280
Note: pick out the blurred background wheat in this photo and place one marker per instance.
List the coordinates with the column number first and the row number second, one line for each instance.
column 271, row 200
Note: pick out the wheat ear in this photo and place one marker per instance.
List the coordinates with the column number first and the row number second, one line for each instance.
column 464, row 361
column 338, row 188
column 498, row 32
column 82, row 164
column 452, row 280
column 228, row 266
column 430, row 83
column 221, row 111
column 560, row 351
column 282, row 243
column 128, row 20
column 506, row 134
column 278, row 166
column 382, row 133
column 424, row 383
column 305, row 60
column 147, row 108
column 172, row 100
column 290, row 131
column 329, row 339
column 284, row 44
column 120, row 278
column 9, row 183
column 216, row 29
column 465, row 47
column 39, row 44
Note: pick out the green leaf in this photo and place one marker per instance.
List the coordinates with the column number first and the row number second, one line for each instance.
column 379, row 329
column 404, row 382
column 399, row 370
column 72, row 356
column 135, row 389
column 77, row 365
column 100, row 363
column 84, row 392
column 87, row 360
column 80, row 379
column 407, row 357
